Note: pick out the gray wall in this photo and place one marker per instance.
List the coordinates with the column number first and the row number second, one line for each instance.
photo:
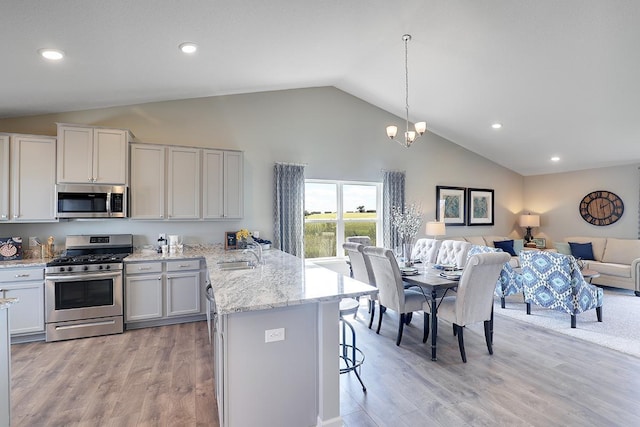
column 556, row 198
column 337, row 135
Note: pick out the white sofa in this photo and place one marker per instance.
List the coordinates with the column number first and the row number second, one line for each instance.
column 617, row 261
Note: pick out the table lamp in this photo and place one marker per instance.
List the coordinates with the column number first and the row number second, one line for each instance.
column 435, row 229
column 528, row 221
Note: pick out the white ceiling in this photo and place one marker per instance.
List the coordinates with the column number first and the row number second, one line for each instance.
column 562, row 76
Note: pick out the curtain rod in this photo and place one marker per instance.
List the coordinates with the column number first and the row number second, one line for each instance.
column 291, row 164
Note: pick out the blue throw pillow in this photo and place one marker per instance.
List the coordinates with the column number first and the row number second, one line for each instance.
column 506, row 246
column 582, row 250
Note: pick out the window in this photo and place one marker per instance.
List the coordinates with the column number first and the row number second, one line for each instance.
column 335, row 210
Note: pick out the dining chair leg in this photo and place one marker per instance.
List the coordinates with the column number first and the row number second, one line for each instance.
column 455, row 330
column 461, row 342
column 599, row 313
column 488, row 335
column 425, row 334
column 372, row 310
column 380, row 313
column 400, row 328
column 407, row 318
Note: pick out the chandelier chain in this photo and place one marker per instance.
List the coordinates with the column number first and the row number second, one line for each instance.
column 406, row 79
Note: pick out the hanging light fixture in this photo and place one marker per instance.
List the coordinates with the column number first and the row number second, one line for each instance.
column 421, row 127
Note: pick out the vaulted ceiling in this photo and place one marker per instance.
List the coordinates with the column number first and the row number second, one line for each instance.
column 561, row 76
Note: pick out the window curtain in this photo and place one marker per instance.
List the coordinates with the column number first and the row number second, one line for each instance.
column 392, row 195
column 289, row 208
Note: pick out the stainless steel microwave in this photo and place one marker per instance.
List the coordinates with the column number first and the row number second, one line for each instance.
column 91, row 201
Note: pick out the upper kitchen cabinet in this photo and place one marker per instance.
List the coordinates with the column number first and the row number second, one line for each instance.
column 183, row 183
column 147, row 181
column 92, row 155
column 222, row 184
column 33, row 178
column 4, row 177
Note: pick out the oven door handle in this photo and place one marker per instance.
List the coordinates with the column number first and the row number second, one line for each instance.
column 83, row 276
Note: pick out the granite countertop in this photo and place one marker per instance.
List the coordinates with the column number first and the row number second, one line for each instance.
column 6, row 302
column 29, row 262
column 280, row 281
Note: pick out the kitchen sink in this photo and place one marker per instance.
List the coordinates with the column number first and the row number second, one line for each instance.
column 236, row 265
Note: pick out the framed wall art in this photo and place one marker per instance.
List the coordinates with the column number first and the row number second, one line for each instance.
column 450, row 205
column 480, row 202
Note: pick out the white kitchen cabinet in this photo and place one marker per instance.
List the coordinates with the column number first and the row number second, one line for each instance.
column 183, row 287
column 5, row 367
column 195, row 183
column 143, row 291
column 33, row 175
column 26, row 284
column 162, row 292
column 4, row 177
column 183, row 183
column 222, row 184
column 92, row 155
column 147, row 181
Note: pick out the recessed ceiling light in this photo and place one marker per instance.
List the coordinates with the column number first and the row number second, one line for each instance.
column 496, row 125
column 52, row 54
column 188, row 47
column 555, row 159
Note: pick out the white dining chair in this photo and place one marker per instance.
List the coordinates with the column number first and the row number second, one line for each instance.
column 391, row 292
column 361, row 270
column 473, row 301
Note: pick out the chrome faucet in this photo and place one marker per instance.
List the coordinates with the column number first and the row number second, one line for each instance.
column 255, row 249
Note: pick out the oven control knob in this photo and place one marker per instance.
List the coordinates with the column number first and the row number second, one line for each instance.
column 108, row 267
column 85, row 268
column 99, row 267
column 61, row 268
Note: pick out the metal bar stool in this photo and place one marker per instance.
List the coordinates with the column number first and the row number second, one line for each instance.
column 350, row 355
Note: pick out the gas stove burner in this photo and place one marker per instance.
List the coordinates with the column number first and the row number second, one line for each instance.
column 87, row 259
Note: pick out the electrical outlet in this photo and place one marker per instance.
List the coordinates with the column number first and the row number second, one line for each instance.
column 271, row 335
column 32, row 242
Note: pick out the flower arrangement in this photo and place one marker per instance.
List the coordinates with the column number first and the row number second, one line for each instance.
column 243, row 234
column 407, row 222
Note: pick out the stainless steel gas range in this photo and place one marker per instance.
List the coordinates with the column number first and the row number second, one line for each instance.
column 84, row 287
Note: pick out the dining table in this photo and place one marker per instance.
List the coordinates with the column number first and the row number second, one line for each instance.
column 434, row 285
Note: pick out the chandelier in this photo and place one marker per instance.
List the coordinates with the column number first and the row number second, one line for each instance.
column 421, row 127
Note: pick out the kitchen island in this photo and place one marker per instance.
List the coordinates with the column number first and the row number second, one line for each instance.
column 276, row 340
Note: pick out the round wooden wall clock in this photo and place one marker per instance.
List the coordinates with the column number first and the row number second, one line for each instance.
column 601, row 208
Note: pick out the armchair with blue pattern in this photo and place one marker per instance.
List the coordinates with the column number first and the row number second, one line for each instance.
column 554, row 280
column 509, row 282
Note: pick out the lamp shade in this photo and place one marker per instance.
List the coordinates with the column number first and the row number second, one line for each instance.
column 436, row 228
column 529, row 220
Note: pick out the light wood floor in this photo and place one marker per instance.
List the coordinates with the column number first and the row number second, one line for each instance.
column 163, row 376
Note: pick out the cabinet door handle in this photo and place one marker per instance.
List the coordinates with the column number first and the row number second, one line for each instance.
column 23, row 275
column 160, row 278
column 183, row 265
column 144, row 268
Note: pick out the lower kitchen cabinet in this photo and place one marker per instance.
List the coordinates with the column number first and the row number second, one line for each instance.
column 27, row 317
column 5, row 367
column 163, row 292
